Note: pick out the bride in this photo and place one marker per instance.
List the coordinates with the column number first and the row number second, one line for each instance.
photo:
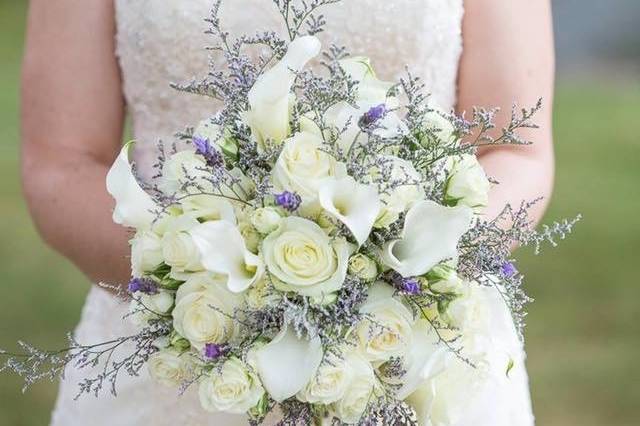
column 89, row 63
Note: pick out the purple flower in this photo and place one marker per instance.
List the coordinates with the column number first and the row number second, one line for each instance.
column 508, row 270
column 410, row 286
column 210, row 154
column 288, row 200
column 406, row 285
column 373, row 115
column 143, row 285
column 213, row 350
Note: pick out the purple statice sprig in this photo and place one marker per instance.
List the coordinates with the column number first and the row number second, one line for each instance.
column 213, row 351
column 143, row 285
column 372, row 116
column 211, row 155
column 508, row 270
column 409, row 286
column 288, row 200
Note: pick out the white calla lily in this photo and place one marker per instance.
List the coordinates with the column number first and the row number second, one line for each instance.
column 425, row 359
column 369, row 87
column 430, row 235
column 223, row 250
column 270, row 97
column 134, row 207
column 287, row 363
column 354, row 204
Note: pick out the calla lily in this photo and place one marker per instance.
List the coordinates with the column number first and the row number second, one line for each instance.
column 134, row 207
column 353, row 204
column 369, row 87
column 426, row 359
column 430, row 235
column 288, row 363
column 223, row 250
column 270, row 97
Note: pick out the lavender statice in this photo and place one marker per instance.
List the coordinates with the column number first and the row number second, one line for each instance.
column 372, row 116
column 143, row 285
column 288, row 200
column 508, row 270
column 214, row 351
column 211, row 155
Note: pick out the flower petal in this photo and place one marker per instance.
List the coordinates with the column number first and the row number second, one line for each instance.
column 354, row 204
column 270, row 96
column 223, row 250
column 134, row 207
column 425, row 359
column 287, row 363
column 431, row 234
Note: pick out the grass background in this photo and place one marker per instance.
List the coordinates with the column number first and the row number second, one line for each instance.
column 583, row 334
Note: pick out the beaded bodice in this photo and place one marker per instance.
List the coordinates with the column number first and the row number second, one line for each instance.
column 164, row 41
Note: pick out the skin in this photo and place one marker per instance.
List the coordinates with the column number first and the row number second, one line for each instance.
column 73, row 116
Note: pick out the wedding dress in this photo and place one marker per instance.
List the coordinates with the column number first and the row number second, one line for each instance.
column 163, row 41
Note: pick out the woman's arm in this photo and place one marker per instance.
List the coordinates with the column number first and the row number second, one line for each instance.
column 72, row 121
column 509, row 57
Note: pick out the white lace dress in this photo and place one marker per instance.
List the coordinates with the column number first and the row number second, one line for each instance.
column 163, row 41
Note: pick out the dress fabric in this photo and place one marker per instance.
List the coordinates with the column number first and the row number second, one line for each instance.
column 164, row 41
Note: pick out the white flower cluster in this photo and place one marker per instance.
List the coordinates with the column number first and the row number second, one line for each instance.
column 215, row 254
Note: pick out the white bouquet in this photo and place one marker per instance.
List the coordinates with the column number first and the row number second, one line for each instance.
column 319, row 244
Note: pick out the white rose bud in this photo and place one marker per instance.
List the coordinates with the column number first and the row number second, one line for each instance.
column 183, row 167
column 389, row 332
column 329, row 383
column 234, row 389
column 251, row 236
column 468, row 184
column 359, row 392
column 203, row 311
column 169, row 367
column 178, row 248
column 146, row 252
column 266, row 219
column 148, row 306
column 363, row 267
column 439, row 126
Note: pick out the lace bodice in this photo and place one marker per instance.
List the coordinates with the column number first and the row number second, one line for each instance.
column 163, row 41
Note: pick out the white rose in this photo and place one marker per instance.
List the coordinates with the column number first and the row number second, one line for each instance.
column 402, row 197
column 266, row 219
column 234, row 389
column 146, row 252
column 303, row 165
column 363, row 267
column 303, row 259
column 389, row 330
column 169, row 367
column 178, row 249
column 145, row 307
column 467, row 183
column 203, row 310
column 359, row 392
column 182, row 167
column 329, row 383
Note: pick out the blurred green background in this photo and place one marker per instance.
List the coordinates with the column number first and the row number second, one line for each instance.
column 583, row 334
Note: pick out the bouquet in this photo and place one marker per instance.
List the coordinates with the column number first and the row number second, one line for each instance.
column 318, row 246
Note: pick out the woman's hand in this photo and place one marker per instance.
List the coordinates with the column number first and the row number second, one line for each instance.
column 509, row 56
column 72, row 122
